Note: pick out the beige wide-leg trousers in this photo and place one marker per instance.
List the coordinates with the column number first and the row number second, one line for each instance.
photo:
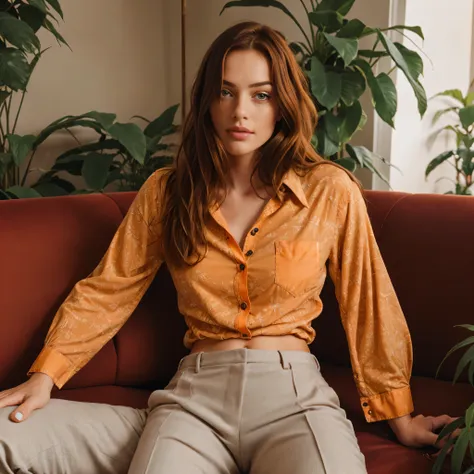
column 225, row 412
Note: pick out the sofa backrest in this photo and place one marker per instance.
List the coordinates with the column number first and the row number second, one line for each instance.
column 46, row 245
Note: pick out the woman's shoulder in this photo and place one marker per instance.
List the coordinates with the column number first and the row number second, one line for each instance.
column 328, row 176
column 156, row 182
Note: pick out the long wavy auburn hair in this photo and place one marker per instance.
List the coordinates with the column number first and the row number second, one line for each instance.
column 196, row 181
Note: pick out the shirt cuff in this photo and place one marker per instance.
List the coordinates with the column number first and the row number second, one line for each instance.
column 54, row 364
column 388, row 405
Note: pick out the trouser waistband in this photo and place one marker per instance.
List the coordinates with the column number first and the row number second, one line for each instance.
column 199, row 360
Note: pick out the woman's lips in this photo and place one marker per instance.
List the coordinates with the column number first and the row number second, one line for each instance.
column 239, row 135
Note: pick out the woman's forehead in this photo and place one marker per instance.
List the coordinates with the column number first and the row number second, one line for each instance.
column 245, row 68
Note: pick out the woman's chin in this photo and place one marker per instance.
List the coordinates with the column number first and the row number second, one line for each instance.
column 236, row 149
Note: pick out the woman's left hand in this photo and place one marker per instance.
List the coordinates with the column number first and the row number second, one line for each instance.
column 419, row 431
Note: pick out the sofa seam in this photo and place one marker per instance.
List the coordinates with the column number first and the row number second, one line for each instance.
column 113, row 338
column 389, row 212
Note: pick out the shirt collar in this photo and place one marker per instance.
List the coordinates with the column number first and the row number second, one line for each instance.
column 293, row 182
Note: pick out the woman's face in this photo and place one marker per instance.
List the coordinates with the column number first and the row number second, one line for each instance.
column 245, row 114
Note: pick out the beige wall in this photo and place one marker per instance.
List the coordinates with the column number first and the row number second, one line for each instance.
column 117, row 64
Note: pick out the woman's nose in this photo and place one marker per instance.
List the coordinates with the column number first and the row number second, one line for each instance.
column 241, row 108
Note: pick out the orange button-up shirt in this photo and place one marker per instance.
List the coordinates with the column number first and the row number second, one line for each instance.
column 269, row 287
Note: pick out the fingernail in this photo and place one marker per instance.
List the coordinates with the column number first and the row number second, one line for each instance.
column 18, row 416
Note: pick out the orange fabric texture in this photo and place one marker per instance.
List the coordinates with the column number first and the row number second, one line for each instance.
column 269, row 287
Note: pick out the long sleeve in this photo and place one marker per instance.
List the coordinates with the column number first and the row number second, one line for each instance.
column 377, row 333
column 100, row 304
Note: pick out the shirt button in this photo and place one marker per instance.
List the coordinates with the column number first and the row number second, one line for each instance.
column 245, row 336
column 370, row 412
column 243, row 305
column 242, row 266
column 254, row 231
column 249, row 253
column 365, row 404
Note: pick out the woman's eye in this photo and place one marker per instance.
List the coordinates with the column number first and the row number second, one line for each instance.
column 262, row 96
column 225, row 93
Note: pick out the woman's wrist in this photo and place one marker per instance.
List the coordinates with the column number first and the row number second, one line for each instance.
column 43, row 378
column 398, row 424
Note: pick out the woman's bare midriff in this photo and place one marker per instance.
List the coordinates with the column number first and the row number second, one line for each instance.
column 274, row 343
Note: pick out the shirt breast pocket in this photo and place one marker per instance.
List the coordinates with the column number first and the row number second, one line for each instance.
column 297, row 265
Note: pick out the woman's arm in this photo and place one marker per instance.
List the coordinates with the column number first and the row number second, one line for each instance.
column 100, row 304
column 376, row 329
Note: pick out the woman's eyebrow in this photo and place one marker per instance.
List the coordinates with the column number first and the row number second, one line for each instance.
column 257, row 84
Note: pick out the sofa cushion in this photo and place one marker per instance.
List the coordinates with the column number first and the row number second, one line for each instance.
column 47, row 246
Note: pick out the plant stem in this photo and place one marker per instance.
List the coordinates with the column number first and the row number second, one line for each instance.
column 28, row 168
column 309, row 21
column 18, row 111
column 313, row 5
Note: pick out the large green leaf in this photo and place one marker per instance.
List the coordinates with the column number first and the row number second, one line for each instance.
column 466, row 115
column 469, row 98
column 441, row 456
column 101, row 145
column 459, row 451
column 18, row 33
column 413, row 29
column 453, row 93
column 31, row 15
column 4, row 95
column 325, row 146
column 56, row 6
column 132, row 138
column 39, row 4
column 468, row 341
column 352, row 29
column 163, row 123
column 346, row 47
column 71, row 164
column 435, row 162
column 99, row 123
column 366, row 158
column 21, row 146
column 402, row 64
column 369, row 53
column 106, row 120
column 95, row 170
column 342, row 127
column 14, row 69
column 50, row 27
column 413, row 60
column 347, row 163
column 352, row 86
column 440, row 113
column 22, row 192
column 325, row 86
column 467, row 358
column 50, row 190
column 341, row 6
column 383, row 90
column 261, row 3
column 328, row 20
column 467, row 164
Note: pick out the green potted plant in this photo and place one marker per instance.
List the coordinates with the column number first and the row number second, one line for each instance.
column 20, row 51
column 122, row 154
column 340, row 71
column 461, row 114
column 462, row 446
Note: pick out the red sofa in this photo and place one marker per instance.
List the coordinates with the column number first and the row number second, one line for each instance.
column 46, row 245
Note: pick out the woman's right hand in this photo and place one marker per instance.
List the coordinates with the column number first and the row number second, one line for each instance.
column 35, row 393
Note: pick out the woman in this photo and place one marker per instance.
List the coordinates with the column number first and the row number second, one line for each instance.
column 245, row 221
